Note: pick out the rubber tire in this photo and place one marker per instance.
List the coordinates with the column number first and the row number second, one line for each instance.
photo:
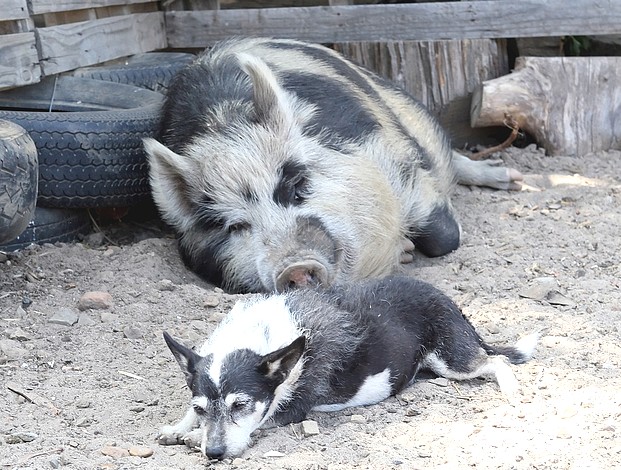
column 151, row 70
column 18, row 180
column 50, row 226
column 90, row 145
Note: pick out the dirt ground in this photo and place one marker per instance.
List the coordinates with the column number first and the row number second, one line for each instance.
column 543, row 259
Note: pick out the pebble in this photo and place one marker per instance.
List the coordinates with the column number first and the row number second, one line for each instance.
column 309, row 428
column 440, row 382
column 166, row 285
column 65, row 317
column 141, row 451
column 83, row 403
column 95, row 300
column 237, row 462
column 107, row 317
column 211, row 301
column 19, row 437
column 56, row 461
column 12, row 349
column 132, row 332
column 357, row 419
column 19, row 335
column 273, row 453
column 85, row 320
column 115, row 452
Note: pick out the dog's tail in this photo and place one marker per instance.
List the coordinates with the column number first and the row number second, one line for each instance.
column 519, row 353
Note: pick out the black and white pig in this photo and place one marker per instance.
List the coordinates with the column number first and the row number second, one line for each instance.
column 282, row 164
column 275, row 358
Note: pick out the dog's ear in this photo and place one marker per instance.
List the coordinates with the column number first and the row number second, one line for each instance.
column 186, row 358
column 277, row 365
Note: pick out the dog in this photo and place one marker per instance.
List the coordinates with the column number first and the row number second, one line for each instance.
column 274, row 358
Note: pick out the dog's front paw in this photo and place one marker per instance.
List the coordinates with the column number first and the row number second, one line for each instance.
column 170, row 436
column 193, row 439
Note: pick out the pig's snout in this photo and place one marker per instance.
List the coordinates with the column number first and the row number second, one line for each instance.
column 307, row 273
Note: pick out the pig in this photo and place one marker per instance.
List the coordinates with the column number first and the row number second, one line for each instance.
column 281, row 164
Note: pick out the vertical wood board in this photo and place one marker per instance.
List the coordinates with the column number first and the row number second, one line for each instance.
column 20, row 62
column 66, row 47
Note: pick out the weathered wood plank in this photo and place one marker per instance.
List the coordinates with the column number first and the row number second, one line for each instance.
column 415, row 21
column 66, row 47
column 51, row 6
column 20, row 62
column 13, row 10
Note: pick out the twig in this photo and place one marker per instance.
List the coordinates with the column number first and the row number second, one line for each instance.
column 129, row 374
column 98, row 228
column 515, row 130
column 41, row 453
column 32, row 397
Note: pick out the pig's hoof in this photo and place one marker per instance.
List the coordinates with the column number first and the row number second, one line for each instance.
column 407, row 251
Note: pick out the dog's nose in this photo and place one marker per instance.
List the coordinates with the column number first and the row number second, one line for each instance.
column 216, row 452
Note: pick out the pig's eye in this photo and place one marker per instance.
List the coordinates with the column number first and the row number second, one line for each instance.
column 300, row 191
column 238, row 227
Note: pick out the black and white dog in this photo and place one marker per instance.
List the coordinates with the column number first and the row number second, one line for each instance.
column 275, row 358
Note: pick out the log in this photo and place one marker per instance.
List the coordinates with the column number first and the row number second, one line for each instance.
column 570, row 105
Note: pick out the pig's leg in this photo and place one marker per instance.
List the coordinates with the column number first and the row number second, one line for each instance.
column 441, row 233
column 485, row 173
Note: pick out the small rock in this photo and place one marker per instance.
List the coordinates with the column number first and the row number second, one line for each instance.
column 273, row 453
column 19, row 437
column 85, row 320
column 141, row 451
column 166, row 285
column 56, row 461
column 546, row 289
column 26, row 301
column 83, row 422
column 83, row 403
column 137, row 409
column 65, row 317
column 19, row 335
column 95, row 300
column 359, row 419
column 309, row 428
column 566, row 412
column 237, row 462
column 440, row 382
column 12, row 349
column 211, row 301
column 95, row 239
column 115, row 452
column 412, row 412
column 107, row 317
column 20, row 312
column 132, row 332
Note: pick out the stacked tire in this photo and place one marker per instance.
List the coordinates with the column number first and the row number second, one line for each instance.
column 72, row 143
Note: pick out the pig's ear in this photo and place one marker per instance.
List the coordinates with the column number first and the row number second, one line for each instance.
column 186, row 358
column 167, row 171
column 270, row 100
column 278, row 365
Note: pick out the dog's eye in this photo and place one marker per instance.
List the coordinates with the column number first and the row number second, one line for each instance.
column 238, row 405
column 238, row 227
column 199, row 410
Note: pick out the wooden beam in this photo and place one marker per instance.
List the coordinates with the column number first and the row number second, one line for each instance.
column 69, row 46
column 38, row 7
column 20, row 62
column 414, row 21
